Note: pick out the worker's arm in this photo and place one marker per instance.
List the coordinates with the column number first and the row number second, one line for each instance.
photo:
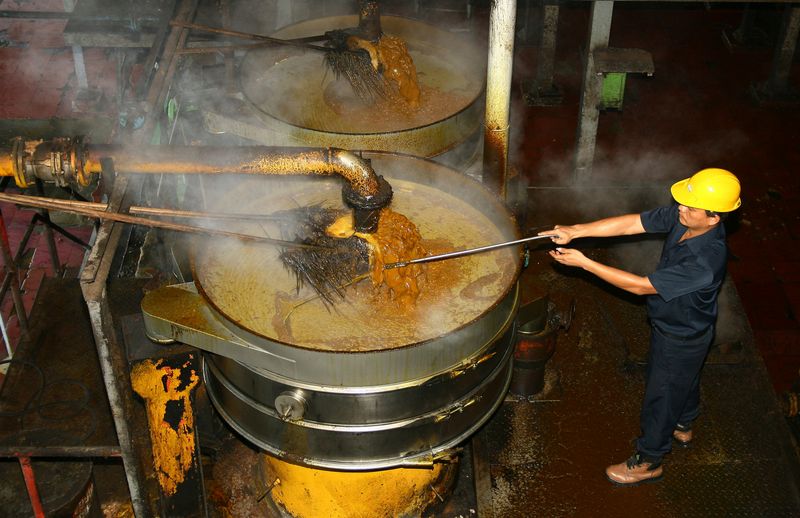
column 626, row 225
column 627, row 281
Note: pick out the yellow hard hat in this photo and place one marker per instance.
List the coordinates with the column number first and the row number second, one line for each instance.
column 710, row 189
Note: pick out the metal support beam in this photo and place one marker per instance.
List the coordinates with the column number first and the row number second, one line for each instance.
column 547, row 47
column 778, row 81
column 542, row 91
column 80, row 67
column 777, row 88
column 94, row 285
column 599, row 31
column 745, row 35
column 113, row 363
column 502, row 19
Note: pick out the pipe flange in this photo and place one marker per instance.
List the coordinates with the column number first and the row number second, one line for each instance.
column 52, row 160
column 366, row 209
column 77, row 157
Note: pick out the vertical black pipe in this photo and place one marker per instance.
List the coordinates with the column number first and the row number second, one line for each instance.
column 48, row 232
column 369, row 20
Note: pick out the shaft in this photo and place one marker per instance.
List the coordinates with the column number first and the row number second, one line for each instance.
column 462, row 253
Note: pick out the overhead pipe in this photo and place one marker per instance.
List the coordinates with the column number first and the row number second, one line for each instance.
column 67, row 160
column 502, row 20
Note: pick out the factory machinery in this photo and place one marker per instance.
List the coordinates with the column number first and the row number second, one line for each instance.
column 337, row 389
column 357, row 390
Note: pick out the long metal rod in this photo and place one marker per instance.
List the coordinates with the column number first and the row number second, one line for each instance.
column 51, row 203
column 30, row 485
column 67, row 205
column 191, row 214
column 60, row 451
column 246, row 35
column 462, row 253
column 222, row 48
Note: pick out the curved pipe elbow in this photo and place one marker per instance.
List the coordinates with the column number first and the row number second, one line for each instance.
column 357, row 171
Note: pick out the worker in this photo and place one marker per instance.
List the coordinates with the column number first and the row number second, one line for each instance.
column 681, row 305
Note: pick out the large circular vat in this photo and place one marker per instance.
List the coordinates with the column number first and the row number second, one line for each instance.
column 360, row 385
column 291, row 92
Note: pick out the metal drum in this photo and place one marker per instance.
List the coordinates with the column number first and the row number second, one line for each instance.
column 287, row 90
column 356, row 386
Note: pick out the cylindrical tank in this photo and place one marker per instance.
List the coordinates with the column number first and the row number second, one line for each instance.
column 356, row 387
column 290, row 94
column 535, row 344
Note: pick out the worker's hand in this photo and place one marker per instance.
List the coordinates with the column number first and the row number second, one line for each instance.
column 569, row 256
column 561, row 234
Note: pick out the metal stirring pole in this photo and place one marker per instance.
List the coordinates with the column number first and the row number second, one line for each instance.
column 461, row 253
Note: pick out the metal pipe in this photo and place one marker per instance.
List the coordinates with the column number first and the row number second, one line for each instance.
column 66, row 160
column 369, row 19
column 246, row 36
column 502, row 19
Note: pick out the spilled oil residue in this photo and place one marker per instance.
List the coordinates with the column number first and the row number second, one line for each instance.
column 167, row 392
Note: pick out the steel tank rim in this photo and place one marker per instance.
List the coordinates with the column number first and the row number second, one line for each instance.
column 430, row 141
column 424, row 378
column 425, row 141
column 369, row 361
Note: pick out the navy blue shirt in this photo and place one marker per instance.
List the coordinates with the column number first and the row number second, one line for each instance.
column 688, row 277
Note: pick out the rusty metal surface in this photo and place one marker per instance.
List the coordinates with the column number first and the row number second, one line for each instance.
column 61, row 346
column 547, row 455
column 631, row 61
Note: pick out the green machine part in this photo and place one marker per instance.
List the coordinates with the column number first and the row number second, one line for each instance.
column 613, row 91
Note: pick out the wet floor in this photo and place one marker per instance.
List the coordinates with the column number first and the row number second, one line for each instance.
column 547, row 454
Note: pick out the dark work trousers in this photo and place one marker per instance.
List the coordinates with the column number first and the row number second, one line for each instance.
column 672, row 390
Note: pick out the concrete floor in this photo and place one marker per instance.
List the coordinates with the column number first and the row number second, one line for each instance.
column 547, row 453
